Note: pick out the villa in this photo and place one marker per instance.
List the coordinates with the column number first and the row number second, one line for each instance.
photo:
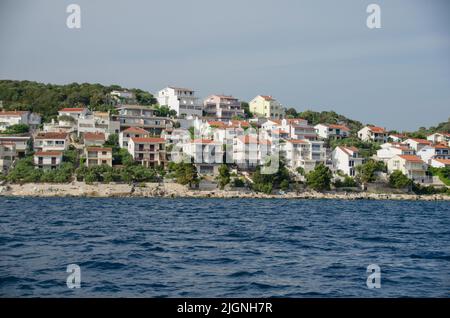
column 222, row 107
column 94, row 139
column 266, row 106
column 410, row 165
column 142, row 117
column 9, row 118
column 97, row 156
column 47, row 160
column 326, row 131
column 51, row 141
column 21, row 144
column 439, row 151
column 250, row 151
column 391, row 149
column 132, row 132
column 373, row 133
column 416, row 143
column 438, row 138
column 205, row 154
column 148, row 151
column 7, row 155
column 346, row 159
column 181, row 100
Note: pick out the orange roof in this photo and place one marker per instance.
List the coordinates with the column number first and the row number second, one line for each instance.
column 72, row 109
column 342, row 127
column 98, row 149
column 297, row 141
column 376, row 129
column 253, row 140
column 444, row 161
column 241, row 123
column 202, row 141
column 48, row 153
column 347, row 149
column 94, row 136
column 411, row 158
column 441, row 146
column 51, row 135
column 136, row 130
column 280, row 131
column 219, row 124
column 267, row 97
column 420, row 141
column 152, row 140
column 12, row 113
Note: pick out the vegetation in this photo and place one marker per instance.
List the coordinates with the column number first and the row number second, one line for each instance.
column 184, row 173
column 267, row 182
column 427, row 190
column 16, row 129
column 367, row 171
column 398, row 180
column 348, row 182
column 47, row 99
column 106, row 174
column 164, row 111
column 320, row 178
column 238, row 183
column 442, row 173
column 246, row 107
column 224, row 176
column 25, row 172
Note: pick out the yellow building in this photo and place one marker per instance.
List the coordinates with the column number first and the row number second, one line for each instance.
column 266, row 106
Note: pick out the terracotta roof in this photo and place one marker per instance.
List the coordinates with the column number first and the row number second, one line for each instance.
column 181, row 88
column 297, row 141
column 267, row 97
column 241, row 123
column 72, row 109
column 148, row 139
column 441, row 146
column 411, row 158
column 51, row 135
column 136, row 130
column 48, row 153
column 94, row 136
column 98, row 149
column 280, row 131
column 420, row 141
column 12, row 113
column 253, row 140
column 376, row 129
column 347, row 149
column 342, row 127
column 444, row 161
column 202, row 141
column 220, row 124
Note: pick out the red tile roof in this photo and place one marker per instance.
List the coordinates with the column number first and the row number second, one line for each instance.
column 152, row 140
column 51, row 135
column 202, row 141
column 48, row 153
column 136, row 130
column 376, row 129
column 444, row 161
column 98, row 149
column 72, row 109
column 253, row 140
column 267, row 97
column 342, row 127
column 12, row 113
column 94, row 136
column 297, row 141
column 219, row 124
column 420, row 141
column 411, row 158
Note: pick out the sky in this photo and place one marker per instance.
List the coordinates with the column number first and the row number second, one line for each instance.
column 315, row 54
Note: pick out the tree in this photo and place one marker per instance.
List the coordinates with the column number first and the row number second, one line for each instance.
column 246, row 107
column 164, row 111
column 16, row 129
column 267, row 182
column 185, row 173
column 366, row 171
column 291, row 113
column 320, row 178
column 224, row 176
column 398, row 180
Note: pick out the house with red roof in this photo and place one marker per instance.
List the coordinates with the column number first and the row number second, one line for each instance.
column 250, row 151
column 97, row 156
column 131, row 132
column 94, row 139
column 437, row 151
column 51, row 141
column 148, row 151
column 346, row 159
column 391, row 149
column 47, row 160
column 302, row 153
column 335, row 131
column 439, row 137
column 9, row 118
column 417, row 143
column 440, row 163
column 373, row 133
column 410, row 165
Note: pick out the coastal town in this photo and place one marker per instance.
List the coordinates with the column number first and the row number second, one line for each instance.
column 216, row 142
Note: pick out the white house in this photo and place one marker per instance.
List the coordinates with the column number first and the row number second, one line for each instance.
column 9, row 118
column 440, row 163
column 303, row 153
column 131, row 132
column 74, row 112
column 148, row 151
column 416, row 143
column 250, row 151
column 47, row 160
column 205, row 154
column 94, row 139
column 98, row 122
column 143, row 117
column 396, row 137
column 346, row 159
column 7, row 155
column 410, row 165
column 21, row 143
column 182, row 100
column 326, row 131
column 97, row 156
column 439, row 151
column 222, row 107
column 373, row 133
column 51, row 142
column 438, row 138
column 391, row 149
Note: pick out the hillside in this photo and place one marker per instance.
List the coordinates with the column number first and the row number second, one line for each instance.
column 47, row 99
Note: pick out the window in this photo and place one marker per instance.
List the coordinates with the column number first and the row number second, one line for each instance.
column 104, row 153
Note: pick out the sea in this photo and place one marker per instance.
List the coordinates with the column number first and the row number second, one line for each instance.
column 192, row 247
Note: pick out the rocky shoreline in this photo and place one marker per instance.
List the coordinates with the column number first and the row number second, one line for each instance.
column 173, row 190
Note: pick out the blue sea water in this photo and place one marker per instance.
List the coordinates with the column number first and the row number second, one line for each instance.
column 133, row 247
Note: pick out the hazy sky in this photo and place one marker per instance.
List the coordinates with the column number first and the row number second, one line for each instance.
column 315, row 54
